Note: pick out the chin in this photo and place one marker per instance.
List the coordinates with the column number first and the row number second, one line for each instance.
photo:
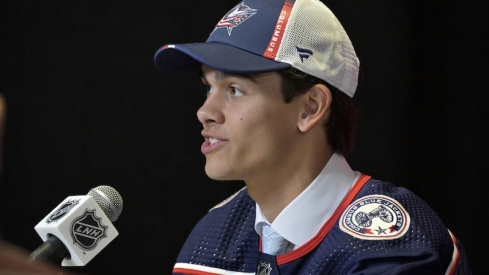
column 218, row 174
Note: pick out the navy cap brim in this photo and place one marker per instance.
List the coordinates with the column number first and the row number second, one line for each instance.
column 219, row 56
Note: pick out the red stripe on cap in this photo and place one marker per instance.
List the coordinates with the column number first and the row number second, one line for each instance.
column 278, row 32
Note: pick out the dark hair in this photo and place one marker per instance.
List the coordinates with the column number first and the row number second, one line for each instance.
column 343, row 115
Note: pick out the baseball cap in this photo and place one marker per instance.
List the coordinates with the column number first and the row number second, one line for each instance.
column 258, row 36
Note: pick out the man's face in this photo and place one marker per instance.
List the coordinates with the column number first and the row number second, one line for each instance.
column 248, row 128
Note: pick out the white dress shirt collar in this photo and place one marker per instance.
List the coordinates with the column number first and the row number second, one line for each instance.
column 302, row 219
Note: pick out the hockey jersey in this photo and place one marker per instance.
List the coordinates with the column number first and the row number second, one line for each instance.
column 378, row 229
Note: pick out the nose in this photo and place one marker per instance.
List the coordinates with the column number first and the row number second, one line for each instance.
column 211, row 111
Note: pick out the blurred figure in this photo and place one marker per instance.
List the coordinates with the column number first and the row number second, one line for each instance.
column 3, row 119
column 13, row 259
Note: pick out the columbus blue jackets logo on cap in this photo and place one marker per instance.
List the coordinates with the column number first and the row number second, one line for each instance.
column 62, row 210
column 236, row 16
column 87, row 230
column 375, row 217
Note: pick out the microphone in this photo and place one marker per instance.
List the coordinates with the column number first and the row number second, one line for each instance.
column 79, row 227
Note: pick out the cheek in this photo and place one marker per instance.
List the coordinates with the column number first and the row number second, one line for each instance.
column 251, row 129
column 266, row 128
column 266, row 123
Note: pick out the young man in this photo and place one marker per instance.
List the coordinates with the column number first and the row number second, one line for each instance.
column 279, row 76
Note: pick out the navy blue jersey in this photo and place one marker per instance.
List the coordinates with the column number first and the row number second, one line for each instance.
column 378, row 229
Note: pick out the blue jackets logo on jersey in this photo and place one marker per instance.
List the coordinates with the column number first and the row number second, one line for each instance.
column 375, row 217
column 235, row 17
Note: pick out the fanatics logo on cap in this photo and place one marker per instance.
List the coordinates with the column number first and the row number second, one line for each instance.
column 375, row 217
column 236, row 16
column 304, row 53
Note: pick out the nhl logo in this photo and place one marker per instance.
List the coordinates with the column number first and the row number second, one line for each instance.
column 263, row 269
column 87, row 230
column 62, row 210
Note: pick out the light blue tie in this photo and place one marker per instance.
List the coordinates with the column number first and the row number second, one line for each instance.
column 272, row 242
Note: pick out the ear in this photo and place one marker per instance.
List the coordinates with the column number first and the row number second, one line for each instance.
column 316, row 108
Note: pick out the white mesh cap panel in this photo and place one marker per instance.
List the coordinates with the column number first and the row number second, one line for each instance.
column 333, row 58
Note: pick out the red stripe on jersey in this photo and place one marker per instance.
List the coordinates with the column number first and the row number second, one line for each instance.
column 311, row 244
column 456, row 256
column 278, row 32
column 191, row 272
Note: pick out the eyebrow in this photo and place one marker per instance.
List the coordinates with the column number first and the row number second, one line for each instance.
column 220, row 76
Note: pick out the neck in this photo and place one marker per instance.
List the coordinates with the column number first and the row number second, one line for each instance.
column 275, row 189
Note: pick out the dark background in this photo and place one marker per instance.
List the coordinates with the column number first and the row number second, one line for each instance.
column 86, row 107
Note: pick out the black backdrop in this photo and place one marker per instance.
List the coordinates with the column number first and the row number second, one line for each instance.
column 86, row 107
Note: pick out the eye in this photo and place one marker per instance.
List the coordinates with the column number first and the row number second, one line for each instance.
column 236, row 92
column 207, row 89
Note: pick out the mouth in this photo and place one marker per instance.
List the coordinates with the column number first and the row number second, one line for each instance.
column 212, row 143
column 212, row 140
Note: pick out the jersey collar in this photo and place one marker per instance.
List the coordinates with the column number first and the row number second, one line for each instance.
column 301, row 220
